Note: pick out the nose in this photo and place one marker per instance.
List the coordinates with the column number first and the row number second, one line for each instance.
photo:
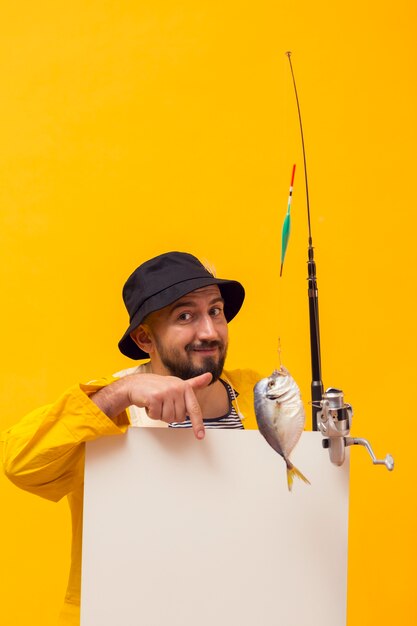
column 206, row 330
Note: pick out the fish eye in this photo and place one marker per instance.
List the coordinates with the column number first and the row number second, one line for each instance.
column 270, row 384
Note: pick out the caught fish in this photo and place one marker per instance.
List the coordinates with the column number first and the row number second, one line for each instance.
column 280, row 415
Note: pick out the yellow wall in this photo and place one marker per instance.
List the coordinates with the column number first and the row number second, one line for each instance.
column 132, row 128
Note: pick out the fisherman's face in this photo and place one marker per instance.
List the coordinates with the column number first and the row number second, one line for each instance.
column 189, row 337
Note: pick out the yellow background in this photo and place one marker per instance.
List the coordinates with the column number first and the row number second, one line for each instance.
column 133, row 128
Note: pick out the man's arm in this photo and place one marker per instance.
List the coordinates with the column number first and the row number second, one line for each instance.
column 44, row 452
column 165, row 398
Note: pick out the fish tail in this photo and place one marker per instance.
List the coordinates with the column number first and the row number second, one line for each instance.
column 293, row 471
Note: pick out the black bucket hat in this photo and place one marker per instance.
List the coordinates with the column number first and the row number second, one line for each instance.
column 161, row 281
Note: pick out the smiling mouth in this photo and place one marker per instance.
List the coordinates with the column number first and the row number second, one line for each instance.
column 204, row 349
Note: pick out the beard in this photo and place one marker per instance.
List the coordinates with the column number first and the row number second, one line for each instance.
column 182, row 366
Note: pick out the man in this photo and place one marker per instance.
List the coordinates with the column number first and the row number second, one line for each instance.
column 178, row 319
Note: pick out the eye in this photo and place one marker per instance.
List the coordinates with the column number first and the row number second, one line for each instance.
column 216, row 311
column 270, row 384
column 184, row 317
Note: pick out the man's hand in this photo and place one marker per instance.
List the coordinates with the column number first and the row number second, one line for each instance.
column 166, row 398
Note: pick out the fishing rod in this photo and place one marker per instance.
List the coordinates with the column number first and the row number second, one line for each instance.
column 313, row 295
column 330, row 414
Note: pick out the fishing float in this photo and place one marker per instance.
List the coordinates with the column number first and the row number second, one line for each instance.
column 286, row 227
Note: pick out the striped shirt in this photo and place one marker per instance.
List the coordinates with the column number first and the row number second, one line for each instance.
column 230, row 420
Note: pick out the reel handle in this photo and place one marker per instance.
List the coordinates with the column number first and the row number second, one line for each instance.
column 357, row 441
column 334, row 421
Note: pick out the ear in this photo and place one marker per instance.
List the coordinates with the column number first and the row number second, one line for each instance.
column 142, row 337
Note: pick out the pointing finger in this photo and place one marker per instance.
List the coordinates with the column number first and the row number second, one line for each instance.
column 194, row 412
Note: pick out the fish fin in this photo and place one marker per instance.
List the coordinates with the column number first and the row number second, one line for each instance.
column 293, row 471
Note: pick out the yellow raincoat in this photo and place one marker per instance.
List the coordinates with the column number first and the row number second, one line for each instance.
column 44, row 454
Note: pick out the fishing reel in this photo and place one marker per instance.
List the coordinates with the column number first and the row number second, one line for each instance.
column 334, row 420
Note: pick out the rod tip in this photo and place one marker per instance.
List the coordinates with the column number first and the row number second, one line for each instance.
column 280, row 272
column 288, row 53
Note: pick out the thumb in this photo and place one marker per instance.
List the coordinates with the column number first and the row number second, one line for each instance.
column 201, row 381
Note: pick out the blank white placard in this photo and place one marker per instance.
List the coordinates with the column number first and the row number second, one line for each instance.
column 182, row 532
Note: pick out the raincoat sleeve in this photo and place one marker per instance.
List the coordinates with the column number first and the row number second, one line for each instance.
column 44, row 452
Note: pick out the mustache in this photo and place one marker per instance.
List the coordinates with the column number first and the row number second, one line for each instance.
column 204, row 345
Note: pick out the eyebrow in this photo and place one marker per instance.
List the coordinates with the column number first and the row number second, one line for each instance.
column 191, row 303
